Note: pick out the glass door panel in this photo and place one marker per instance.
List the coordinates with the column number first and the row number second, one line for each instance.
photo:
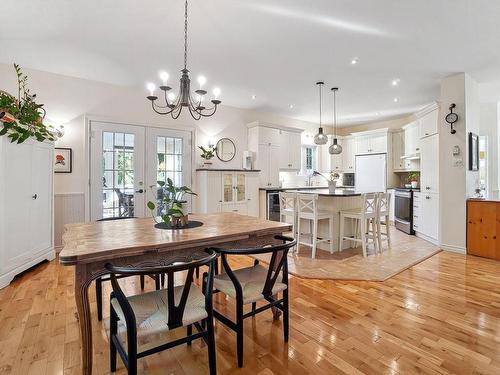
column 117, row 162
column 240, row 187
column 227, row 187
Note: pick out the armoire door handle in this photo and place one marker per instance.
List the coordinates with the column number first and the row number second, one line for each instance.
column 35, row 196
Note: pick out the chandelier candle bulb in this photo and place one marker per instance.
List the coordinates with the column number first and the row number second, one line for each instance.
column 151, row 87
column 164, row 78
column 216, row 92
column 202, row 80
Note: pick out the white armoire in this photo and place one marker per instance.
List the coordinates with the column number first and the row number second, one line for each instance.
column 26, row 206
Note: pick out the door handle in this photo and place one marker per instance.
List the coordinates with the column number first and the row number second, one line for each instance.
column 140, row 191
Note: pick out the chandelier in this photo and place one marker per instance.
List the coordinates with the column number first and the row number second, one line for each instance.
column 335, row 148
column 173, row 104
column 320, row 138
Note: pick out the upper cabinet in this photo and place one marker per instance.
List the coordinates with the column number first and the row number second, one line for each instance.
column 290, row 148
column 398, row 151
column 412, row 138
column 371, row 143
column 429, row 124
column 429, row 163
column 275, row 148
column 348, row 154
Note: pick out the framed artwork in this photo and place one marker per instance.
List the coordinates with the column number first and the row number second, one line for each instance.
column 63, row 160
column 473, row 152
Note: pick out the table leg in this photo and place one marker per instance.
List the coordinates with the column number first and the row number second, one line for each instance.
column 82, row 282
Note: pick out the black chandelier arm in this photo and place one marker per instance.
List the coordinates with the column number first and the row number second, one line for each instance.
column 154, row 106
column 213, row 109
column 194, row 113
column 176, row 112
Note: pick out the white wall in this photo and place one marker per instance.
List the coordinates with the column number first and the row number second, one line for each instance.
column 455, row 181
column 488, row 126
column 68, row 100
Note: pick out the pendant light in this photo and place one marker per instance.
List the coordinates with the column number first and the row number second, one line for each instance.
column 320, row 138
column 335, row 148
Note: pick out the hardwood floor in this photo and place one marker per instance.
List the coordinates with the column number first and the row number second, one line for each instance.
column 441, row 316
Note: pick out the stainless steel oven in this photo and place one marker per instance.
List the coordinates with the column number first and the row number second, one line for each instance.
column 273, row 205
column 403, row 210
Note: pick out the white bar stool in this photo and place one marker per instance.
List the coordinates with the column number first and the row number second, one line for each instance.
column 288, row 209
column 383, row 208
column 363, row 217
column 307, row 209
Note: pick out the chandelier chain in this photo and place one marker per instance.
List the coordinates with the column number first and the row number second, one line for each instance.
column 320, row 105
column 185, row 33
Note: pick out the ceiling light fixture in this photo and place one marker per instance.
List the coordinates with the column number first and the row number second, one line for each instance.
column 291, row 106
column 354, row 61
column 320, row 138
column 174, row 106
column 335, row 148
column 395, row 82
column 254, row 97
column 395, row 100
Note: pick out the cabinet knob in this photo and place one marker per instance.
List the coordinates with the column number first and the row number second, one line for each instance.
column 427, row 197
column 34, row 196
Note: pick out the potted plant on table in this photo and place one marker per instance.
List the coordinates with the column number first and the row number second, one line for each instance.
column 413, row 179
column 331, row 179
column 170, row 203
column 207, row 154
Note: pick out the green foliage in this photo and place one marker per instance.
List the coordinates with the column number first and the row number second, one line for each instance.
column 27, row 113
column 413, row 176
column 207, row 153
column 172, row 200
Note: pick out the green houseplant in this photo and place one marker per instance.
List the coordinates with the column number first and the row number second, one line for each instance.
column 413, row 178
column 170, row 203
column 22, row 117
column 207, row 153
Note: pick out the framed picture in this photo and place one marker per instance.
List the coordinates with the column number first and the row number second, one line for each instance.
column 63, row 160
column 473, row 152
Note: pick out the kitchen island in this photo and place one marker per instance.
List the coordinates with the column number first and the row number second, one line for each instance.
column 341, row 199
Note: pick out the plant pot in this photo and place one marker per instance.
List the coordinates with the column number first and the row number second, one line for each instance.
column 180, row 221
column 332, row 185
column 414, row 184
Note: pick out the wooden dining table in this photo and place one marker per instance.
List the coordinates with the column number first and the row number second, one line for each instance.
column 89, row 246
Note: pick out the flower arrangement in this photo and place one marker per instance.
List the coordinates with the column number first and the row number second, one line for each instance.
column 333, row 176
column 22, row 117
column 170, row 204
column 207, row 153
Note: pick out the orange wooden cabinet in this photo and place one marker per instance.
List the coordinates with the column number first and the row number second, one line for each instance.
column 483, row 228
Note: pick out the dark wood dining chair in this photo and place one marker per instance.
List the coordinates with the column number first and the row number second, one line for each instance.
column 161, row 311
column 253, row 284
column 159, row 279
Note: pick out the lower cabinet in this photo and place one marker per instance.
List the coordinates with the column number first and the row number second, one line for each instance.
column 426, row 215
column 483, row 228
column 228, row 191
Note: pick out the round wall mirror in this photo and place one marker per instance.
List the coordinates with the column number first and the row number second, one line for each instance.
column 226, row 150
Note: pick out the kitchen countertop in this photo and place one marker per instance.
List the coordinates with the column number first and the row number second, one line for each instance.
column 326, row 193
column 227, row 170
column 297, row 188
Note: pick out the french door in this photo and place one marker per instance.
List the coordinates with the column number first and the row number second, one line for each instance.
column 126, row 164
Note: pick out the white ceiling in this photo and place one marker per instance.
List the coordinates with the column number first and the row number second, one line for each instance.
column 275, row 50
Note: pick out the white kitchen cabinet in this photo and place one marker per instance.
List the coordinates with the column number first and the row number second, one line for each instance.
column 289, row 150
column 392, row 204
column 348, row 154
column 429, row 124
column 268, row 162
column 26, row 201
column 416, row 211
column 373, row 143
column 412, row 138
column 336, row 162
column 228, row 191
column 429, row 164
column 429, row 215
column 269, row 136
column 398, row 164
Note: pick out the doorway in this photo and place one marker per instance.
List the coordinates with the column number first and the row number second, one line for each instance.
column 127, row 162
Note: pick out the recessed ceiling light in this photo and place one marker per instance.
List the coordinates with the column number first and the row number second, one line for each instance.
column 254, row 97
column 291, row 106
column 354, row 61
column 395, row 82
column 395, row 100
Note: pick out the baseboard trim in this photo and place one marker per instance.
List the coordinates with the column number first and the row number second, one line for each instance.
column 426, row 238
column 58, row 249
column 7, row 278
column 454, row 249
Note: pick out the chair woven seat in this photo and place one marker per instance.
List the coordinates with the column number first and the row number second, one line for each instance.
column 151, row 309
column 252, row 280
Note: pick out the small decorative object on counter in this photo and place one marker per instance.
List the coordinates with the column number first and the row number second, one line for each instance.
column 207, row 154
column 332, row 180
column 413, row 179
column 170, row 205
